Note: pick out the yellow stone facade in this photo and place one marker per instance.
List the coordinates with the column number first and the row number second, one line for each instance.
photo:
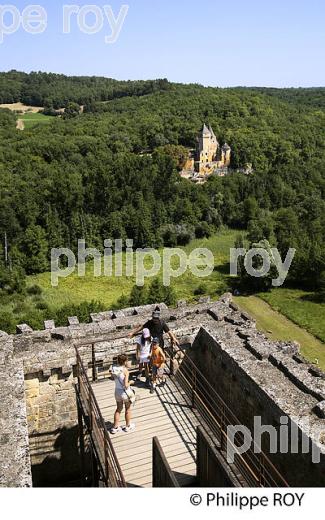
column 209, row 155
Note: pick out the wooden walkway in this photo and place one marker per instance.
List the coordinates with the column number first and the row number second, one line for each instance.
column 164, row 414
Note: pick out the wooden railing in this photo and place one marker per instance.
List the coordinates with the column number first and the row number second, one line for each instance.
column 254, row 465
column 162, row 475
column 108, row 466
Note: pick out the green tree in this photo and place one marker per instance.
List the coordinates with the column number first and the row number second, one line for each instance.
column 138, row 296
column 72, row 110
column 158, row 293
column 12, row 280
column 35, row 248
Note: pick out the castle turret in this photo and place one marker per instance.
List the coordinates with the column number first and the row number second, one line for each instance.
column 207, row 148
column 204, row 139
column 226, row 154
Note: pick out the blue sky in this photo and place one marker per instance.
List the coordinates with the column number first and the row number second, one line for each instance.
column 213, row 42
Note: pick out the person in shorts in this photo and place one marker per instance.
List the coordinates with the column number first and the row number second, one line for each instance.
column 120, row 374
column 143, row 343
column 157, row 359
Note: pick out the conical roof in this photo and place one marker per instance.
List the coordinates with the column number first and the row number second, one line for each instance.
column 211, row 131
column 205, row 130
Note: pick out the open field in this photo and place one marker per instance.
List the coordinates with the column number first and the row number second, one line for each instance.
column 109, row 289
column 278, row 327
column 20, row 107
column 28, row 116
column 74, row 290
column 31, row 119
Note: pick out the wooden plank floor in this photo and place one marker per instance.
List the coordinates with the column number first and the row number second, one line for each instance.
column 164, row 414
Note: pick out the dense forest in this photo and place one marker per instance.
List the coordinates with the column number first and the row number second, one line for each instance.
column 57, row 91
column 112, row 172
column 314, row 97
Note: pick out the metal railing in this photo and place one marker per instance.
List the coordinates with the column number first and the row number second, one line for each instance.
column 108, row 465
column 254, row 465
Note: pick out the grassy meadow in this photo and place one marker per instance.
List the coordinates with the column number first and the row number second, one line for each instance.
column 301, row 307
column 278, row 327
column 46, row 301
column 31, row 119
column 283, row 314
column 108, row 290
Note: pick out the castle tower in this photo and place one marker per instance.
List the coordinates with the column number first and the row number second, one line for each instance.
column 207, row 149
column 226, row 155
column 204, row 139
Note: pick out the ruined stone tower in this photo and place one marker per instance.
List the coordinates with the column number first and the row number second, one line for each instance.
column 40, row 428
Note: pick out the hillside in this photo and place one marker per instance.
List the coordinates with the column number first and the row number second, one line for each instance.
column 313, row 97
column 112, row 171
column 57, row 91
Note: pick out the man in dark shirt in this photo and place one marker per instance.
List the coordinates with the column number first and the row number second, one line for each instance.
column 157, row 329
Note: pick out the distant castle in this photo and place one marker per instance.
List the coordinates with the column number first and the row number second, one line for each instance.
column 209, row 157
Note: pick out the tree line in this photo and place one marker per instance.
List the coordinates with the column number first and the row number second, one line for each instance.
column 54, row 91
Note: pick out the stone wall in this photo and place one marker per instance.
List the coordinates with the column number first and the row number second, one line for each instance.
column 52, row 424
column 15, row 467
column 252, row 386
